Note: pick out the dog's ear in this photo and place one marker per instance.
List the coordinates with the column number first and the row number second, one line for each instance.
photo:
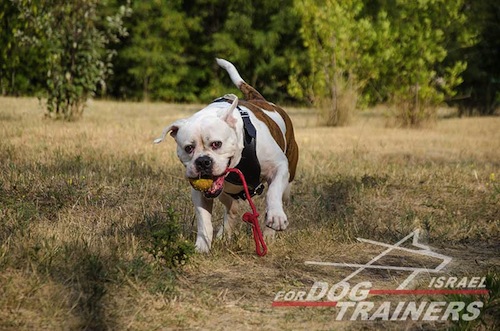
column 172, row 128
column 229, row 115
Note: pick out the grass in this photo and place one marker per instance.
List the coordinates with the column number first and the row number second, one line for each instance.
column 81, row 205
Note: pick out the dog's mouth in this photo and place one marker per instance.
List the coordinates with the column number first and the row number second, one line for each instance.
column 216, row 188
column 211, row 186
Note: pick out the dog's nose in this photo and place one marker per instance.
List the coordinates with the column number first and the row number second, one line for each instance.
column 203, row 163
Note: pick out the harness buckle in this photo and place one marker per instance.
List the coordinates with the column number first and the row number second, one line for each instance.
column 253, row 192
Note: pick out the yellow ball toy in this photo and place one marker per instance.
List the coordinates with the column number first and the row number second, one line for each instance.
column 201, row 184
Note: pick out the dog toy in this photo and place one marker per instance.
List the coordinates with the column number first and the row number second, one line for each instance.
column 201, row 184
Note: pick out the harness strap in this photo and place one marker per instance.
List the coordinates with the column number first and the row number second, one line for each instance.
column 249, row 164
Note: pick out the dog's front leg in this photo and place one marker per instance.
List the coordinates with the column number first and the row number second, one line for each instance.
column 275, row 215
column 203, row 208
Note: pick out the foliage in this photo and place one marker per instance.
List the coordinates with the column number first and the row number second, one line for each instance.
column 337, row 43
column 74, row 38
column 21, row 67
column 412, row 80
column 167, row 243
column 170, row 52
column 480, row 91
column 337, row 55
column 152, row 59
column 261, row 38
column 389, row 51
column 490, row 312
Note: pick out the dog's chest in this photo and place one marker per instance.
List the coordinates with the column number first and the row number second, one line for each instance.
column 231, row 188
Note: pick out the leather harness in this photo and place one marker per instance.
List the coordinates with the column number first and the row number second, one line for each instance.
column 249, row 164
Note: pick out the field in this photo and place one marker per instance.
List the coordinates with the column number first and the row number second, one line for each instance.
column 84, row 206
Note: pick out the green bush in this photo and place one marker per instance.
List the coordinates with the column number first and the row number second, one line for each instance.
column 167, row 243
column 75, row 37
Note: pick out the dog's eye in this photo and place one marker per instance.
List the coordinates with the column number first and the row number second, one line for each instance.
column 216, row 144
column 189, row 149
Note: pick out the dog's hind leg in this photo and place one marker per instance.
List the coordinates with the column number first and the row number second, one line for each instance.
column 278, row 184
column 230, row 216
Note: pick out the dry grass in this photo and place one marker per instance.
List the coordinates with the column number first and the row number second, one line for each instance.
column 77, row 199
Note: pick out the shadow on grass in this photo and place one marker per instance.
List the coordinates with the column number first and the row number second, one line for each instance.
column 342, row 195
column 91, row 272
column 82, row 187
column 84, row 274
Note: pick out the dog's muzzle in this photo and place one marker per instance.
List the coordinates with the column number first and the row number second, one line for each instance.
column 204, row 165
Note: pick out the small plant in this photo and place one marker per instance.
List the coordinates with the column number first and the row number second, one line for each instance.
column 490, row 312
column 167, row 243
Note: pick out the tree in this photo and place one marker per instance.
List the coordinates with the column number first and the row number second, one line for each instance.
column 9, row 58
column 480, row 91
column 20, row 66
column 337, row 41
column 387, row 51
column 337, row 55
column 153, row 59
column 261, row 38
column 415, row 78
column 170, row 51
column 75, row 38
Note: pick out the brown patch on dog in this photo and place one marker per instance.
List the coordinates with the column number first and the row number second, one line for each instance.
column 256, row 102
column 249, row 92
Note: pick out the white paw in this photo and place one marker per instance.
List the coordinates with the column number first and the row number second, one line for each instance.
column 276, row 219
column 202, row 246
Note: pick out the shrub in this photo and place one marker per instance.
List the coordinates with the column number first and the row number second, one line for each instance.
column 74, row 37
column 167, row 243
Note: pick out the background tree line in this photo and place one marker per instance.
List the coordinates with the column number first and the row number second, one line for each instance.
column 336, row 55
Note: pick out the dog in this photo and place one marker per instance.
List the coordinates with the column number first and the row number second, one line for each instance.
column 253, row 135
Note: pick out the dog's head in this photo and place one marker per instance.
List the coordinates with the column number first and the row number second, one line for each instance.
column 209, row 142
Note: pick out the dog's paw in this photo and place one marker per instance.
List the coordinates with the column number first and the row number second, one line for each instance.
column 202, row 246
column 276, row 220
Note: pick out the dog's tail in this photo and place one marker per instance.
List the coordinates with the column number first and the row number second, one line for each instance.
column 231, row 70
column 248, row 91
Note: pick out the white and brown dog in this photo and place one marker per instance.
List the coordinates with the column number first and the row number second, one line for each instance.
column 255, row 136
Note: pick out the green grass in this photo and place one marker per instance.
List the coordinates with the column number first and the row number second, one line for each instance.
column 86, row 210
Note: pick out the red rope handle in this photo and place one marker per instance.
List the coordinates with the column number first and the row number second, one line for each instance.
column 252, row 218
